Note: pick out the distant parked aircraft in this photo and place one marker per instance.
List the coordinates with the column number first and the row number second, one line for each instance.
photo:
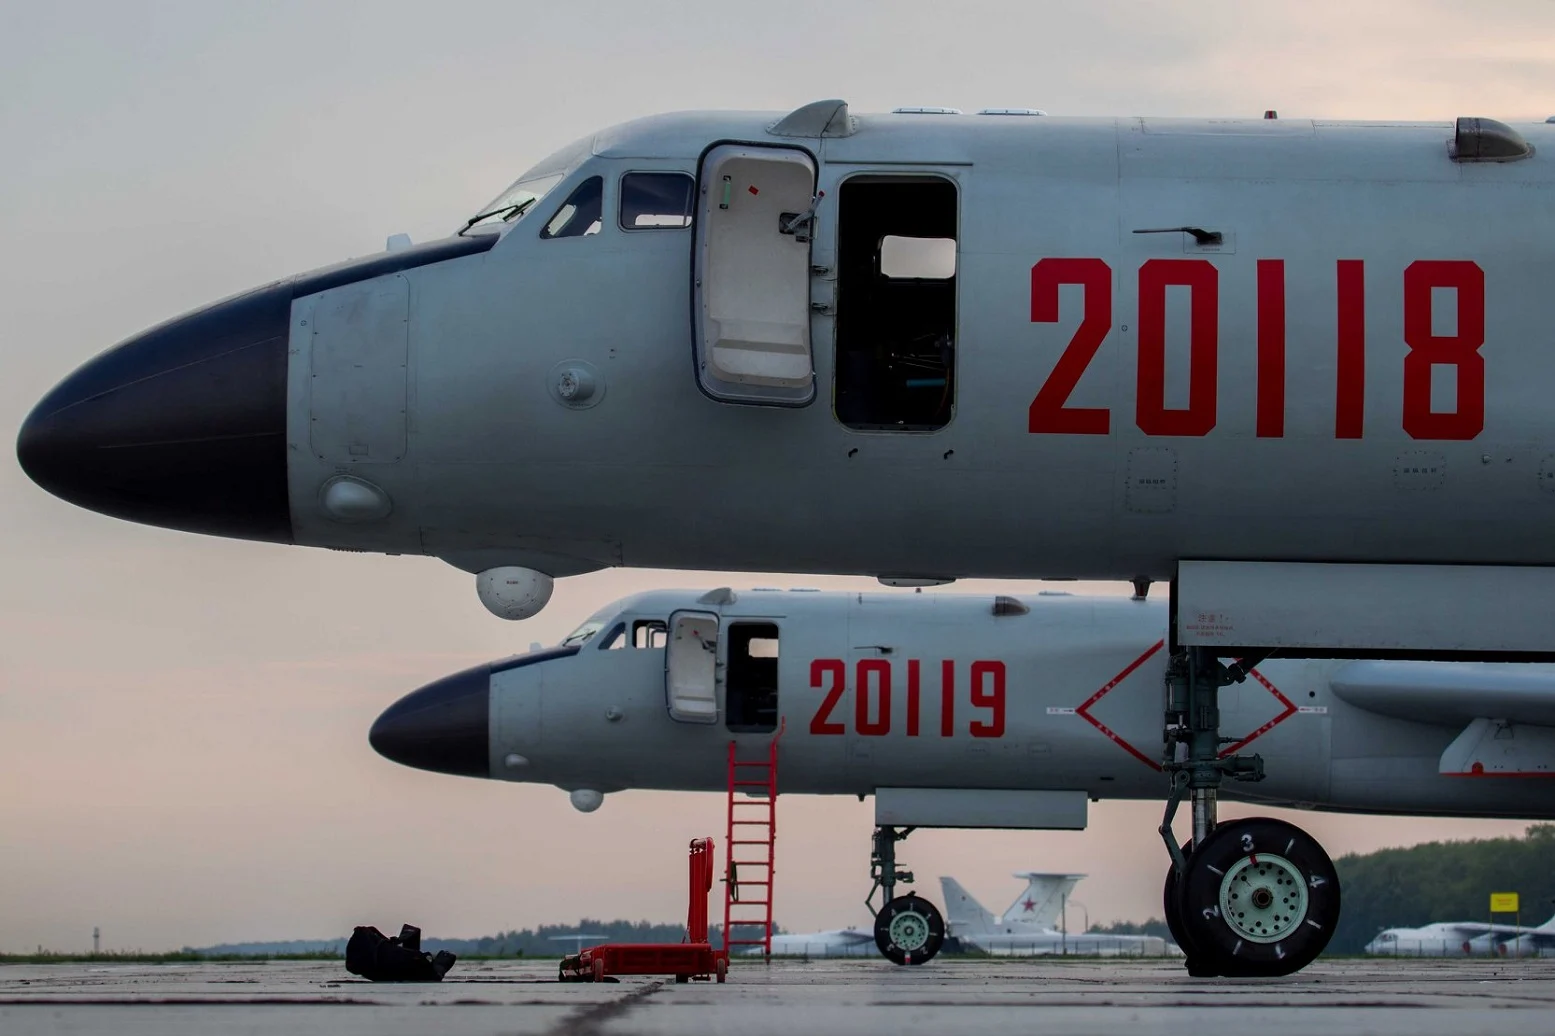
column 1026, row 928
column 1466, row 939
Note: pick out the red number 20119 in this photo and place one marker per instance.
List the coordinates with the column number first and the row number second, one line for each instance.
column 1051, row 413
column 873, row 697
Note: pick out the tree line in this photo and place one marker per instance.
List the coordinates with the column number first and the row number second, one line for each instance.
column 1443, row 881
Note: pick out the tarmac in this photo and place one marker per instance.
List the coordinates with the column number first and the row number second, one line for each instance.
column 522, row 998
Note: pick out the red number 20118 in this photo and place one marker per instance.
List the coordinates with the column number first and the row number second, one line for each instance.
column 1050, row 412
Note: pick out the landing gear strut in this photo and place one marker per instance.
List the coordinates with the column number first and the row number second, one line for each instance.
column 908, row 929
column 1255, row 897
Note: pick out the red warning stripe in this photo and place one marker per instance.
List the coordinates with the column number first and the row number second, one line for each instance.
column 1478, row 770
column 1084, row 710
column 1290, row 710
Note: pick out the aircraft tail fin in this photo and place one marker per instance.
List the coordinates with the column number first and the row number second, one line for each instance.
column 1039, row 903
column 963, row 913
column 1548, row 926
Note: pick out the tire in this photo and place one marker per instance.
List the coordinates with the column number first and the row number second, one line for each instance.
column 1171, row 905
column 599, row 969
column 721, row 968
column 1259, row 898
column 909, row 930
column 1199, row 965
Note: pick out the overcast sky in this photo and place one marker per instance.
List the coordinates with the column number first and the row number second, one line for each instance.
column 183, row 754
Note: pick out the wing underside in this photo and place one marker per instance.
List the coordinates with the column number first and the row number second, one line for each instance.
column 1505, row 711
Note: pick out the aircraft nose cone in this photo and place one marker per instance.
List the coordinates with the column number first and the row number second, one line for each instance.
column 444, row 727
column 182, row 426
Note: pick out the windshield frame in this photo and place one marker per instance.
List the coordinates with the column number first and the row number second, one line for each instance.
column 520, row 198
column 591, row 627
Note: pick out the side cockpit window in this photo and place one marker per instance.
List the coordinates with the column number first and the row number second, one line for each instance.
column 628, row 633
column 579, row 215
column 656, row 201
column 650, row 633
column 634, row 633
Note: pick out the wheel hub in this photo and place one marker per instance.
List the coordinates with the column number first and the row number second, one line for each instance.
column 1263, row 898
column 909, row 931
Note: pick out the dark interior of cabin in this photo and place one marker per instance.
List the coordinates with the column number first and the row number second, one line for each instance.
column 896, row 303
column 751, row 680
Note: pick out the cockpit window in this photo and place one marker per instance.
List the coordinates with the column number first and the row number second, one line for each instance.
column 650, row 633
column 656, row 201
column 512, row 203
column 579, row 214
column 581, row 635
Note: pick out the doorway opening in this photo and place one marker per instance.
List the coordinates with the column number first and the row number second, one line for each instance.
column 896, row 303
column 751, row 679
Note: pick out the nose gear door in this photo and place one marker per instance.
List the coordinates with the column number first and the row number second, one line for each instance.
column 751, row 269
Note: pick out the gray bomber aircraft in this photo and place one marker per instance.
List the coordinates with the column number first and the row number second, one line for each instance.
column 970, row 711
column 1296, row 369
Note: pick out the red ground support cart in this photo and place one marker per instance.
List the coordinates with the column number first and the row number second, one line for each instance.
column 693, row 959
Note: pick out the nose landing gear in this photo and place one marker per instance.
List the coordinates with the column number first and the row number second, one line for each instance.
column 1251, row 898
column 908, row 929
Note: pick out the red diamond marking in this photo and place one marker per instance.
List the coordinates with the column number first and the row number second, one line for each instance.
column 1121, row 742
column 1084, row 710
column 1290, row 710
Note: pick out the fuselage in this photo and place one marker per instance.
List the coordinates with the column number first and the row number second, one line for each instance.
column 1342, row 359
column 871, row 691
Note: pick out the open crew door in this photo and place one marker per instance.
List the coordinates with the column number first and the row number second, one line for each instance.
column 691, row 667
column 752, row 275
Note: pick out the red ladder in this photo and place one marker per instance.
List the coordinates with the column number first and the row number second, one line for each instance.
column 751, row 845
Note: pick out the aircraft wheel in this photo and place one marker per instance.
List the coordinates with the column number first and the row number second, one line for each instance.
column 1171, row 905
column 1259, row 898
column 909, row 930
column 1199, row 965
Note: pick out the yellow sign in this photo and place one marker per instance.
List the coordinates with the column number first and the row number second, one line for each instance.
column 1503, row 902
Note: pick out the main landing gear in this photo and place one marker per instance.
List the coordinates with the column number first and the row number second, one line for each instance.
column 1250, row 898
column 908, row 929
